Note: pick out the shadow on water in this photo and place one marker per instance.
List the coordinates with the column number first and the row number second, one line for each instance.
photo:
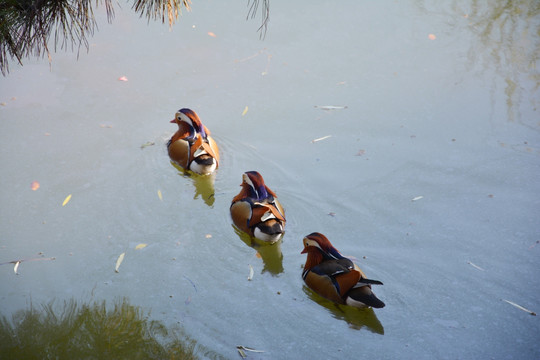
column 204, row 184
column 356, row 318
column 93, row 331
column 271, row 254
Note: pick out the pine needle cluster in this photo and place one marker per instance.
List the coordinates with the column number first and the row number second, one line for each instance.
column 30, row 27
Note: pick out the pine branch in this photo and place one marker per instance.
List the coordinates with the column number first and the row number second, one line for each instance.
column 265, row 14
column 26, row 26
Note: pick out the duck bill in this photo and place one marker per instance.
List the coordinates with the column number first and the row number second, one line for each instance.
column 172, row 121
column 304, row 251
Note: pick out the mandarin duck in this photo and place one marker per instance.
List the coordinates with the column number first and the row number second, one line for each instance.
column 192, row 147
column 256, row 209
column 336, row 277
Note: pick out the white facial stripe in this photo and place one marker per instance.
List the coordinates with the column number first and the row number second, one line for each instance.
column 248, row 181
column 183, row 117
column 309, row 242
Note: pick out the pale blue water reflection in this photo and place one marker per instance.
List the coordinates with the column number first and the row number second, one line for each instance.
column 438, row 121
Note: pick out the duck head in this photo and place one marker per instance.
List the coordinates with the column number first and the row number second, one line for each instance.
column 189, row 121
column 318, row 244
column 254, row 187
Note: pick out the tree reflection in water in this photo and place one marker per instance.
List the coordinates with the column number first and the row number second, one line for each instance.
column 92, row 331
column 506, row 39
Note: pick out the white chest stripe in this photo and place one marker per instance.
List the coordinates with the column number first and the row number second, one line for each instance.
column 267, row 216
column 200, row 151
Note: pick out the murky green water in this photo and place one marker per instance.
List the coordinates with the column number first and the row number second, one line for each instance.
column 450, row 121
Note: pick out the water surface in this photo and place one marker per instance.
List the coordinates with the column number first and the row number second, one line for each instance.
column 449, row 120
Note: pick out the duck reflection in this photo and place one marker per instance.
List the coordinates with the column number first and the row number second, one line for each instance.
column 356, row 318
column 204, row 184
column 97, row 330
column 271, row 254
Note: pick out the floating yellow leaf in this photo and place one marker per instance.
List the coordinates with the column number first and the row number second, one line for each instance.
column 245, row 111
column 208, row 236
column 140, row 246
column 119, row 261
column 258, row 255
column 432, row 37
column 417, row 198
column 159, row 195
column 211, row 34
column 66, row 200
column 34, row 185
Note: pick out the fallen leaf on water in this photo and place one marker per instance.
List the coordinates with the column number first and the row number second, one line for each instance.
column 432, row 37
column 211, row 34
column 66, row 200
column 140, row 246
column 250, row 276
column 16, row 267
column 33, row 259
column 241, row 352
column 122, row 78
column 475, row 266
column 258, row 255
column 245, row 111
column 119, row 261
column 249, row 349
column 520, row 307
column 417, row 198
column 208, row 236
column 330, row 107
column 148, row 143
column 321, row 138
column 159, row 195
column 360, row 152
column 34, row 186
